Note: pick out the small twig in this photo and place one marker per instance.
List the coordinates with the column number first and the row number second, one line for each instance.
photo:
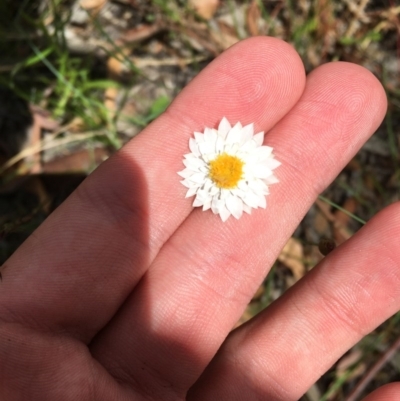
column 48, row 144
column 142, row 32
column 379, row 364
column 166, row 61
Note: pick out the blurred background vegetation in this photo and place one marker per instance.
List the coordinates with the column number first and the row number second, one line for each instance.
column 79, row 78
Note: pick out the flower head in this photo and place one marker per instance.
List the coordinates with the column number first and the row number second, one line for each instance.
column 228, row 169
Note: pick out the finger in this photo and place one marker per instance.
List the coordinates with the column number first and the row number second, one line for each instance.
column 389, row 392
column 284, row 350
column 206, row 273
column 86, row 258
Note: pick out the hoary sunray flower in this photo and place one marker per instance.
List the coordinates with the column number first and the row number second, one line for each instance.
column 229, row 170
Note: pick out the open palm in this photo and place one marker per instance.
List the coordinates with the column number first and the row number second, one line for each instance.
column 127, row 293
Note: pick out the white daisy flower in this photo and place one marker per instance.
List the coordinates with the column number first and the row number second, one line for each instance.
column 228, row 170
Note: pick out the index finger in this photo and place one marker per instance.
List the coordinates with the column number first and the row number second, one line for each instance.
column 91, row 252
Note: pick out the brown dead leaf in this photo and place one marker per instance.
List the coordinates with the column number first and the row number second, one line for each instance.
column 292, row 256
column 141, row 32
column 116, row 66
column 34, row 160
column 350, row 205
column 326, row 29
column 354, row 165
column 321, row 224
column 341, row 232
column 41, row 121
column 46, row 122
column 110, row 99
column 225, row 37
column 348, row 361
column 205, row 8
column 314, row 55
column 325, row 209
column 76, row 125
column 92, row 5
column 80, row 161
column 198, row 35
column 253, row 17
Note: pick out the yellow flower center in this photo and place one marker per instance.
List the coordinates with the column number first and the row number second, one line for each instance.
column 226, row 171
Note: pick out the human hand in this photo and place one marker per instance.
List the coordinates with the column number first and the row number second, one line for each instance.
column 127, row 293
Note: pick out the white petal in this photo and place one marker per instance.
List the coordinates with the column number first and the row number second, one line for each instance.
column 248, row 173
column 197, row 202
column 246, row 208
column 231, row 148
column 259, row 138
column 224, row 213
column 186, row 173
column 258, row 185
column 224, row 127
column 267, row 165
column 208, row 157
column 273, row 163
column 188, row 184
column 271, row 180
column 201, row 198
column 235, row 206
column 193, row 147
column 242, row 185
column 206, row 148
column 210, row 135
column 225, row 193
column 214, row 190
column 251, row 199
column 207, row 205
column 234, row 135
column 248, row 131
column 216, row 204
column 208, row 185
column 199, row 137
column 191, row 192
column 198, row 178
column 219, row 145
column 194, row 164
column 248, row 146
column 238, row 192
column 262, row 202
column 261, row 171
column 263, row 152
